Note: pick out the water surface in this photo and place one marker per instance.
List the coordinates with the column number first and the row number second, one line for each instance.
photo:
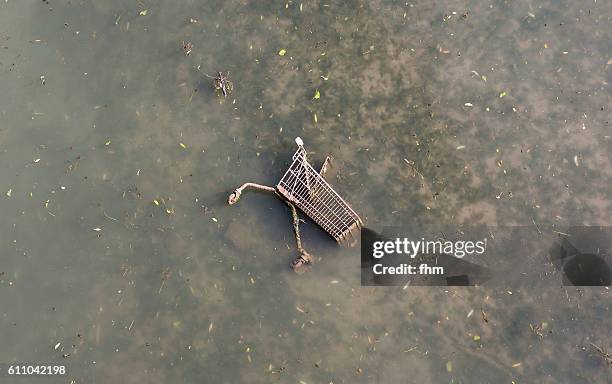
column 117, row 157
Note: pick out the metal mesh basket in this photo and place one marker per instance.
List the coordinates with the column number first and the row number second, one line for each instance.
column 307, row 189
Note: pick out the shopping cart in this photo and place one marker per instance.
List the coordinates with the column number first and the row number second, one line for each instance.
column 309, row 191
column 305, row 188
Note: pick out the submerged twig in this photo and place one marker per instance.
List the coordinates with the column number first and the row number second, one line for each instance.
column 107, row 216
column 203, row 73
column 603, row 353
column 221, row 82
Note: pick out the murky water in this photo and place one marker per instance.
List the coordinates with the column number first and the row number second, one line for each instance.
column 117, row 157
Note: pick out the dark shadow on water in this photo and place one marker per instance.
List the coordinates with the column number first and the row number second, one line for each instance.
column 581, row 268
column 581, row 256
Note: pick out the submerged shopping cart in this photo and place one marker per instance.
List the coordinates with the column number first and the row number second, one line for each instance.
column 305, row 188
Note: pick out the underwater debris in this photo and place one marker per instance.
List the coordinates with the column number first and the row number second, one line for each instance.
column 305, row 188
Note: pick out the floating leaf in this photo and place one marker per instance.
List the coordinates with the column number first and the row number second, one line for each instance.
column 107, row 143
column 502, row 94
column 476, row 337
column 317, row 95
column 282, row 52
column 144, row 12
column 156, row 202
column 183, row 145
column 97, row 229
column 9, row 193
column 315, row 118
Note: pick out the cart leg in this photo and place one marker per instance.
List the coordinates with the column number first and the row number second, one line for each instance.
column 304, row 257
column 235, row 196
column 325, row 165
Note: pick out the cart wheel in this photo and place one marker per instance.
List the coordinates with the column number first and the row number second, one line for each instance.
column 299, row 262
column 233, row 197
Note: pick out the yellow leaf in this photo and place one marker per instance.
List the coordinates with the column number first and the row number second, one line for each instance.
column 315, row 118
column 9, row 193
column 317, row 95
column 502, row 94
column 144, row 12
column 282, row 52
column 476, row 337
column 182, row 145
column 107, row 143
column 156, row 202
